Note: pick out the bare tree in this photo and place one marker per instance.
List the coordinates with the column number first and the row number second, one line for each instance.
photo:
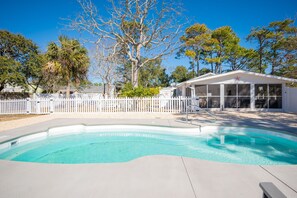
column 135, row 28
column 105, row 65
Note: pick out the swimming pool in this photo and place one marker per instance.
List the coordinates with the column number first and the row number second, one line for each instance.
column 119, row 143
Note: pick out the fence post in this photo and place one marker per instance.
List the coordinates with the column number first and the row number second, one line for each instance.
column 186, row 104
column 28, row 105
column 152, row 104
column 126, row 104
column 75, row 101
column 51, row 105
column 38, row 106
column 179, row 104
column 100, row 104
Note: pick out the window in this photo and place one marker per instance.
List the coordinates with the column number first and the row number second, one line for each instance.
column 275, row 90
column 244, row 90
column 238, row 96
column 201, row 90
column 230, row 90
column 275, row 102
column 209, row 95
column 244, row 96
column 261, row 95
column 213, row 96
column 213, row 90
column 230, row 102
column 244, row 102
column 202, row 102
column 214, row 102
column 268, row 96
column 275, row 96
column 188, row 92
column 261, row 90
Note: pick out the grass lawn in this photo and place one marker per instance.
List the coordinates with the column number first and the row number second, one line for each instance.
column 16, row 117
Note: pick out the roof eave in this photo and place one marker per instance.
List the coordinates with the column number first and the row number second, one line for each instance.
column 284, row 79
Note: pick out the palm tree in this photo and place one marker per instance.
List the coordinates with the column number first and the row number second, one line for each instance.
column 68, row 61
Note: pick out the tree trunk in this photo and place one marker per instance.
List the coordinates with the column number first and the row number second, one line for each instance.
column 261, row 53
column 37, row 85
column 260, row 63
column 198, row 65
column 132, row 73
column 135, row 77
column 217, row 68
column 211, row 64
column 273, row 64
column 68, row 89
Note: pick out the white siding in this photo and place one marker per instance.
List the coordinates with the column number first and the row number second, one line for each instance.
column 290, row 100
column 242, row 78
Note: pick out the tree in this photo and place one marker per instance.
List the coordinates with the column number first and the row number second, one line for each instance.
column 180, row 74
column 129, row 91
column 195, row 42
column 153, row 74
column 240, row 58
column 261, row 37
column 68, row 61
column 136, row 28
column 289, row 62
column 21, row 63
column 279, row 43
column 204, row 71
column 105, row 66
column 223, row 40
column 9, row 72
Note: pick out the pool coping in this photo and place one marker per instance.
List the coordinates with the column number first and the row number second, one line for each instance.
column 86, row 128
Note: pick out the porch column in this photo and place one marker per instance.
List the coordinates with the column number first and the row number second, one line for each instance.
column 193, row 92
column 253, row 96
column 183, row 88
column 285, row 98
column 222, row 96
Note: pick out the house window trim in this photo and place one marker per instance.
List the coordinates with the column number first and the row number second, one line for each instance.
column 207, row 96
column 237, row 96
column 268, row 96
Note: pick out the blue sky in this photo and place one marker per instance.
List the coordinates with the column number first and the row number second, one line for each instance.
column 42, row 21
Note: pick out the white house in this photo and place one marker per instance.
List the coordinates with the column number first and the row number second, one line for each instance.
column 241, row 90
column 167, row 92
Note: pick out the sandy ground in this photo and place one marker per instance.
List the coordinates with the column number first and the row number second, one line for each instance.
column 15, row 117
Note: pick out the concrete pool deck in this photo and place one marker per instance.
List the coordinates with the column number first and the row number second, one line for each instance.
column 151, row 176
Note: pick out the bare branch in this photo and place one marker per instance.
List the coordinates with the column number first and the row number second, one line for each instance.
column 140, row 30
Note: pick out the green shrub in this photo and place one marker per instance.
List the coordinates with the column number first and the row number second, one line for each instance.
column 129, row 91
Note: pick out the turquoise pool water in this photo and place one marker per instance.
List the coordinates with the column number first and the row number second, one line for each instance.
column 110, row 147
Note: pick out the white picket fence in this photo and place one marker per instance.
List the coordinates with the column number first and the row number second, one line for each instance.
column 85, row 105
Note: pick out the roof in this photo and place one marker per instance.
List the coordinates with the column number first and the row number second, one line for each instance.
column 92, row 89
column 211, row 76
column 167, row 88
column 199, row 77
column 204, row 76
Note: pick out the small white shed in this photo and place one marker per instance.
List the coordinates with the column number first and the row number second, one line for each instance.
column 241, row 90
